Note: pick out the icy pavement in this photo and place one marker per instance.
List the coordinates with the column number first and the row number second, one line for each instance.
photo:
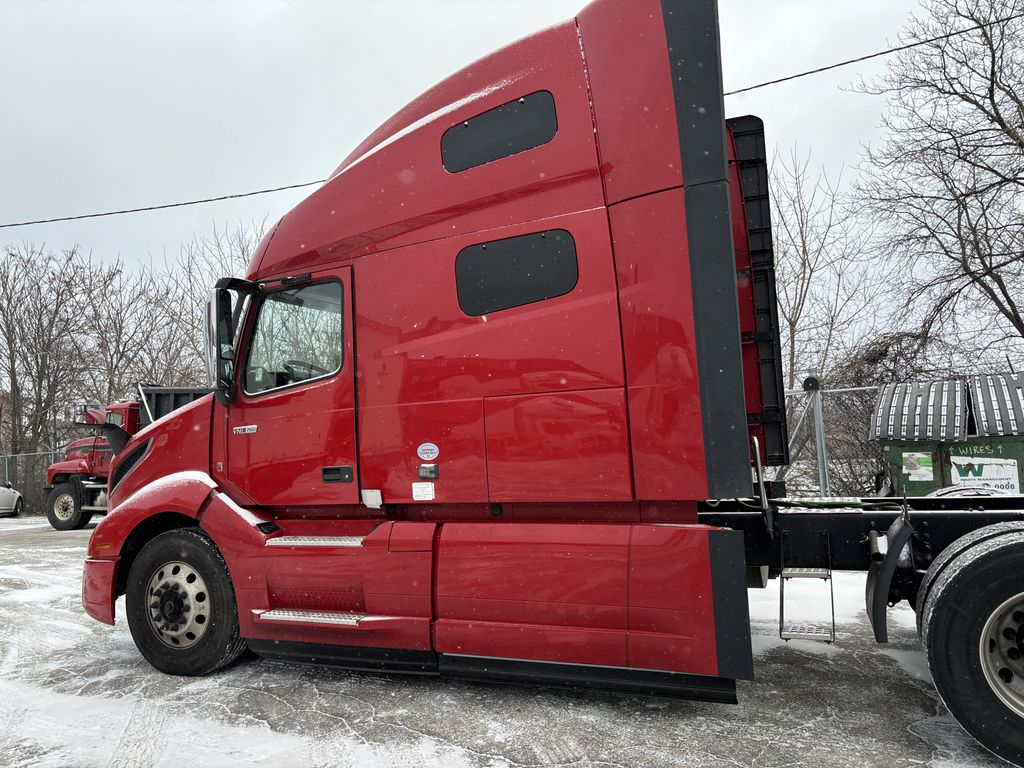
column 74, row 692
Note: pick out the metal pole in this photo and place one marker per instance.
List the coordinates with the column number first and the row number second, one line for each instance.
column 799, row 423
column 819, row 444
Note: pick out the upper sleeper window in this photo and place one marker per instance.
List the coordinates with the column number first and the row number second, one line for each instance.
column 507, row 130
column 490, row 277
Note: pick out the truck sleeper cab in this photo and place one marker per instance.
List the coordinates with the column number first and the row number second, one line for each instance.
column 463, row 417
column 472, row 392
column 463, row 408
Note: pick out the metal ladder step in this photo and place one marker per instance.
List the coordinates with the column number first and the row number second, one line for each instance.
column 315, row 541
column 803, row 632
column 290, row 616
column 807, row 573
column 807, row 633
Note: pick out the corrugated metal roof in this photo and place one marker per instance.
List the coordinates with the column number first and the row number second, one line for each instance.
column 998, row 402
column 934, row 410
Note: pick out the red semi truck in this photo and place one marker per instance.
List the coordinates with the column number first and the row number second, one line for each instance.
column 474, row 395
column 76, row 487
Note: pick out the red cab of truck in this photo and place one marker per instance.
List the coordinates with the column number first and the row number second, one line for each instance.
column 472, row 389
column 76, row 487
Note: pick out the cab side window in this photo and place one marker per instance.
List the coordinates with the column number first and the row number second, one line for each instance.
column 299, row 336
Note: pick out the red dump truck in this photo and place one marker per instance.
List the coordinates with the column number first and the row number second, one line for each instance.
column 475, row 393
column 76, row 487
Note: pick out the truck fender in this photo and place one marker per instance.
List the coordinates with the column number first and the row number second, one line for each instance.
column 68, row 467
column 880, row 577
column 184, row 493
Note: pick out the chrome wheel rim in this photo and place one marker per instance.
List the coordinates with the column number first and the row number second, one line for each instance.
column 178, row 605
column 64, row 506
column 1002, row 653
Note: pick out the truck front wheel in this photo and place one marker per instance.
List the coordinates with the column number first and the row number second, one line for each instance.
column 181, row 604
column 973, row 632
column 63, row 511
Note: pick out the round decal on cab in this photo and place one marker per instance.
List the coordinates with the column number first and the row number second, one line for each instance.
column 428, row 451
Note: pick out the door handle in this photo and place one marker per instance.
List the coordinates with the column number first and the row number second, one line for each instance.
column 337, row 474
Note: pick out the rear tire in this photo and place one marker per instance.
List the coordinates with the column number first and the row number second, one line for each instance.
column 973, row 633
column 181, row 605
column 954, row 550
column 63, row 510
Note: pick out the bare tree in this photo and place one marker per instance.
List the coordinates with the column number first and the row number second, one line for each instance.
column 825, row 292
column 947, row 183
column 185, row 283
column 124, row 338
column 41, row 328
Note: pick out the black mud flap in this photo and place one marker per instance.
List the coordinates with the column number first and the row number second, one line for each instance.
column 880, row 577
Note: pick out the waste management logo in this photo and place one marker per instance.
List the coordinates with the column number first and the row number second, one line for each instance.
column 984, row 471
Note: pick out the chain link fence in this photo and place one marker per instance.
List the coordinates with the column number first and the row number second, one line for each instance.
column 26, row 472
column 831, row 451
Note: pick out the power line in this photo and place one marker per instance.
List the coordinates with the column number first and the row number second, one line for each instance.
column 875, row 55
column 163, row 206
column 765, row 84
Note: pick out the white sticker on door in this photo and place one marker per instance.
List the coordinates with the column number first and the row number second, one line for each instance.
column 422, row 491
column 428, row 451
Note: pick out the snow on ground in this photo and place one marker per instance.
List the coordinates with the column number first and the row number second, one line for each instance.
column 74, row 692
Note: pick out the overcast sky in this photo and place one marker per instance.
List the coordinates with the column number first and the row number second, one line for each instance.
column 120, row 104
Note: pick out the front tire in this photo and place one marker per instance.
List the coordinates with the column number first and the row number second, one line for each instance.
column 973, row 633
column 19, row 507
column 63, row 510
column 181, row 605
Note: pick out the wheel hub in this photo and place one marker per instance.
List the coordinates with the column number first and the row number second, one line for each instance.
column 64, row 506
column 1002, row 653
column 172, row 607
column 178, row 605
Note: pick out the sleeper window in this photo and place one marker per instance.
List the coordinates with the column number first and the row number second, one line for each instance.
column 299, row 336
column 502, row 274
column 507, row 130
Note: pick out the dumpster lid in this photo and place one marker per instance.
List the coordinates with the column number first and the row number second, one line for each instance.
column 998, row 404
column 932, row 410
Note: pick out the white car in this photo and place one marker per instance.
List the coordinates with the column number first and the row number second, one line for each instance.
column 11, row 503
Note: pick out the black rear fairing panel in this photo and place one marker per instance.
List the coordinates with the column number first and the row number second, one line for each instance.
column 752, row 159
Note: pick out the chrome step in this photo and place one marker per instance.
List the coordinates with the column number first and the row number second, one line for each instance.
column 807, row 633
column 806, row 573
column 94, row 509
column 315, row 541
column 312, row 617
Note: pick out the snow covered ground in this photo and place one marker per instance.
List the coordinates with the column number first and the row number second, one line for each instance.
column 75, row 693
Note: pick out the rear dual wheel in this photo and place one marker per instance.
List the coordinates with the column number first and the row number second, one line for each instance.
column 181, row 604
column 954, row 551
column 973, row 634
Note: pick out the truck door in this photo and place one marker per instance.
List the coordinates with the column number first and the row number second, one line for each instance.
column 291, row 425
column 101, row 454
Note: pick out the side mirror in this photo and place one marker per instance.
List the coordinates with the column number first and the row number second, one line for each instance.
column 223, row 312
column 224, row 307
column 220, row 353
